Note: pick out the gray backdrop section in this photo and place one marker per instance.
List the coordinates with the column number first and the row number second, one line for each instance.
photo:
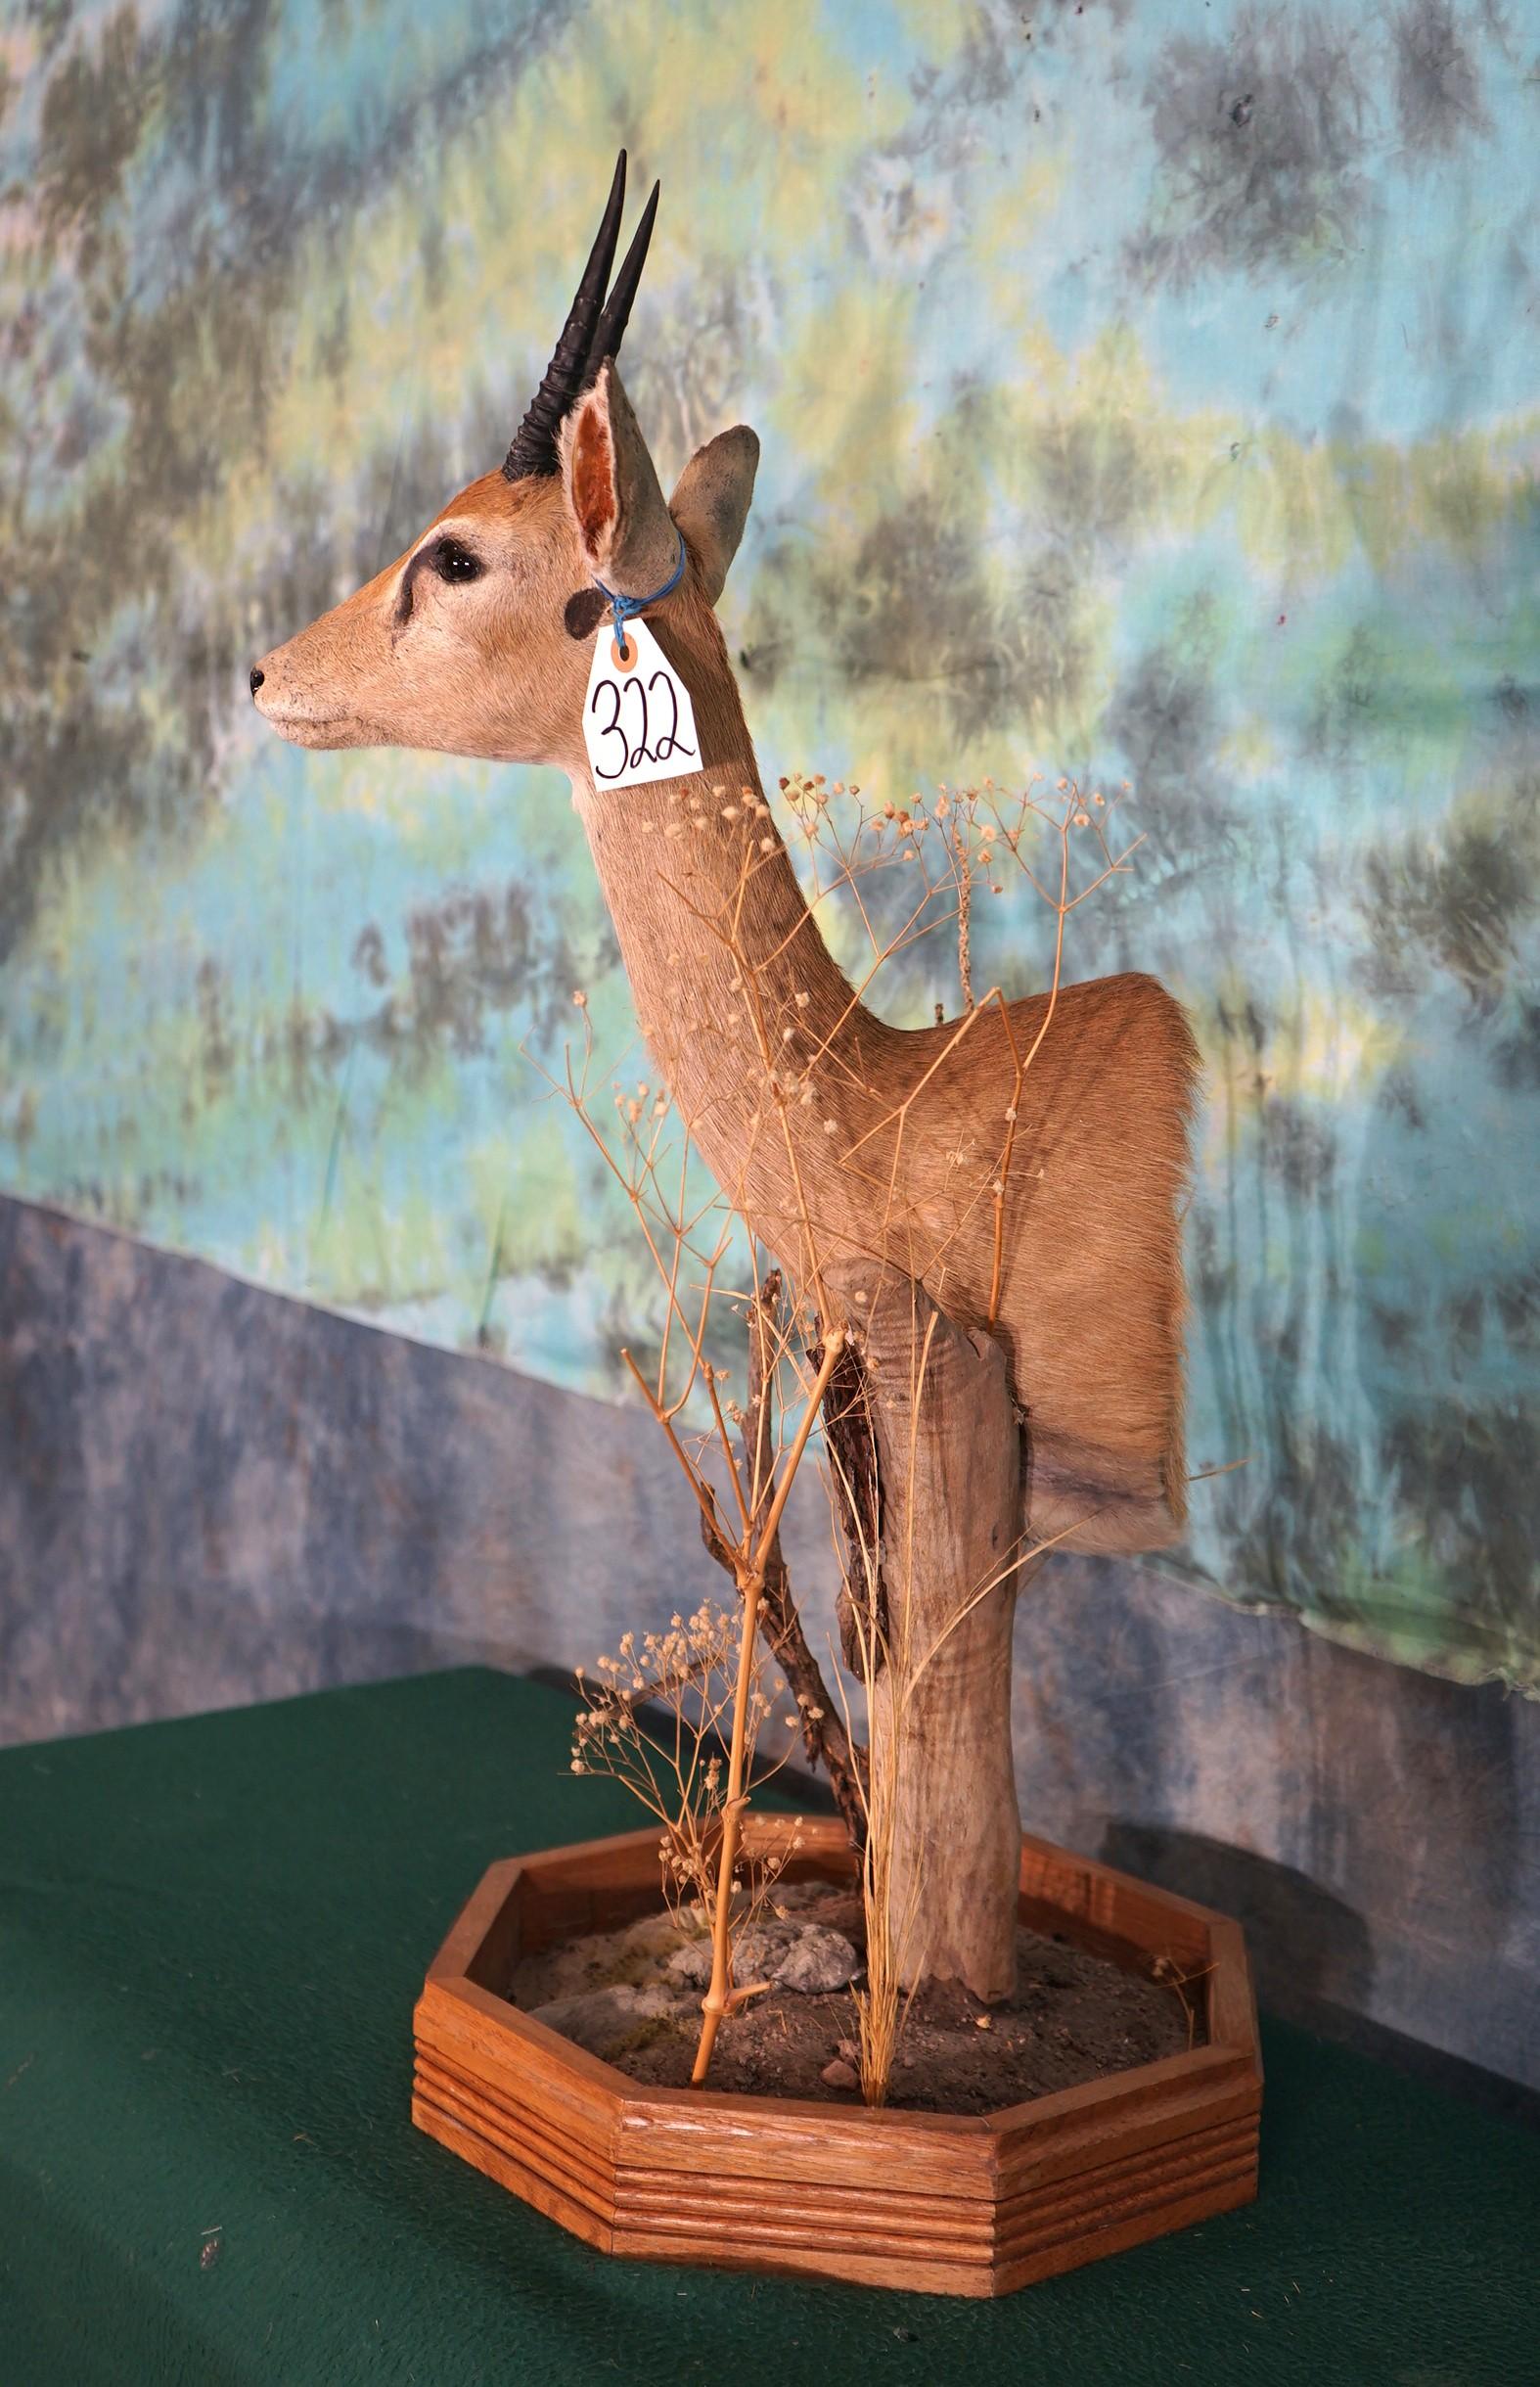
column 209, row 1494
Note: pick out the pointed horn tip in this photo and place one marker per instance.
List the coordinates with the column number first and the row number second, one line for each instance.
column 643, row 222
column 610, row 330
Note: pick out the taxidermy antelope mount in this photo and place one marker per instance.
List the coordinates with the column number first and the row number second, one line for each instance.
column 1016, row 1357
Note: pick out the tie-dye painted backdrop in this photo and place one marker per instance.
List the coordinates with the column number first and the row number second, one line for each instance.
column 1148, row 390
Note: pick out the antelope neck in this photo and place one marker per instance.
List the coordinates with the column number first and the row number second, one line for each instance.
column 737, row 994
column 694, row 924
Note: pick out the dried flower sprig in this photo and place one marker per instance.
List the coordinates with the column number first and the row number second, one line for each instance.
column 691, row 1672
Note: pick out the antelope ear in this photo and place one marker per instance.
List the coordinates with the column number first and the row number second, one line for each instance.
column 711, row 503
column 612, row 488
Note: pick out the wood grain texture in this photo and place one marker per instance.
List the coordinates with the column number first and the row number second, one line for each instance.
column 946, row 1442
column 968, row 2204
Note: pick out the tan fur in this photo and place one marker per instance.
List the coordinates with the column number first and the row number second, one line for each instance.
column 1090, row 1301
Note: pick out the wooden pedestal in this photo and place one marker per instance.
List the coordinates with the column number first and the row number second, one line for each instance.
column 966, row 2205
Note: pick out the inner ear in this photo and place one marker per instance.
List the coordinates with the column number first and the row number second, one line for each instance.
column 593, row 479
column 584, row 612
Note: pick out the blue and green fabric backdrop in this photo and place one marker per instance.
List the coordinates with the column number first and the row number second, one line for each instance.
column 1145, row 392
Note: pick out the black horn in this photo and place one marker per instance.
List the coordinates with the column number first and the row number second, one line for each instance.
column 534, row 444
column 610, row 328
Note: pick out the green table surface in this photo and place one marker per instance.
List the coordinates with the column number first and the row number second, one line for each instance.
column 211, row 1935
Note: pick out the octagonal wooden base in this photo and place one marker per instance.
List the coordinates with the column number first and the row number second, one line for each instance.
column 965, row 2205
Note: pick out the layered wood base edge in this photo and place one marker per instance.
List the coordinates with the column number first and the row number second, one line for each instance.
column 956, row 2205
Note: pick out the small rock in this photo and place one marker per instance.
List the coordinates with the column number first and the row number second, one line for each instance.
column 849, row 2051
column 600, row 2018
column 839, row 2075
column 761, row 1949
column 690, row 1965
column 818, row 1960
column 802, row 1956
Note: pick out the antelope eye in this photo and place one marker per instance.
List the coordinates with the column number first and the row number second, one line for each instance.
column 452, row 562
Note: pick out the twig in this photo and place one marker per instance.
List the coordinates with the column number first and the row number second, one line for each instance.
column 714, row 2004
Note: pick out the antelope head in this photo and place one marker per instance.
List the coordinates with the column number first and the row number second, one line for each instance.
column 477, row 639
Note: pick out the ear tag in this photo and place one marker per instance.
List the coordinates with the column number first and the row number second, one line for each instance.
column 638, row 720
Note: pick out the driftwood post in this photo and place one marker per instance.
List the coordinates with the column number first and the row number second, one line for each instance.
column 929, row 1617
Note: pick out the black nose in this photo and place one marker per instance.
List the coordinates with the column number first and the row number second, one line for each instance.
column 257, row 682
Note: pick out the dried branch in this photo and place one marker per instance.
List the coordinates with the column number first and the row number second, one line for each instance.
column 718, row 2000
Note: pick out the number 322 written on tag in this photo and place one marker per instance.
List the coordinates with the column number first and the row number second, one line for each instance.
column 638, row 720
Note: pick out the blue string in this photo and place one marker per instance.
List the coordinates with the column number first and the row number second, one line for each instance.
column 625, row 609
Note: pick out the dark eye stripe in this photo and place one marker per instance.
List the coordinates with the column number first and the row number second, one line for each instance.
column 431, row 557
